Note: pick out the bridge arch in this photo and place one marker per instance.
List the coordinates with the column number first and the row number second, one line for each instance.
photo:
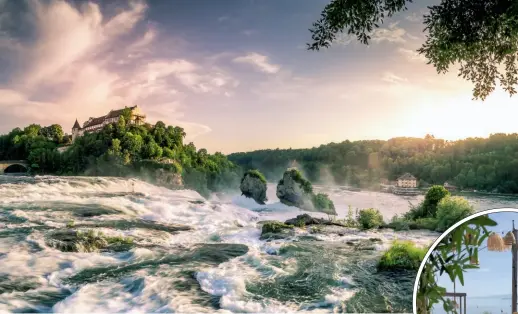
column 15, row 166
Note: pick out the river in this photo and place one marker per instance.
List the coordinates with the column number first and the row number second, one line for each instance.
column 189, row 254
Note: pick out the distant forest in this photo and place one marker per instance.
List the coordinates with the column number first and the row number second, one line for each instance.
column 486, row 164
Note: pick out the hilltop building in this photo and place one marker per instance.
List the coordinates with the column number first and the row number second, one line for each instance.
column 407, row 181
column 97, row 124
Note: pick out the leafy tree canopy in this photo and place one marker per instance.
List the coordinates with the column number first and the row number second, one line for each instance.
column 479, row 35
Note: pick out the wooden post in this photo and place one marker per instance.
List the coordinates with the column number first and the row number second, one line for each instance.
column 515, row 259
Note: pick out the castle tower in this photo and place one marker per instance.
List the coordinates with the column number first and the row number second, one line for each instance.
column 75, row 130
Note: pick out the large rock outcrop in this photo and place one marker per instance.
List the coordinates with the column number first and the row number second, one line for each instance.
column 294, row 190
column 168, row 179
column 253, row 185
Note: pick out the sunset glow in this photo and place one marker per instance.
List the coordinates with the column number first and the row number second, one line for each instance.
column 245, row 62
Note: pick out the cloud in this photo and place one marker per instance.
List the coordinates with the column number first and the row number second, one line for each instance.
column 412, row 55
column 414, row 17
column 82, row 63
column 248, row 32
column 393, row 34
column 259, row 61
column 392, row 78
column 145, row 41
column 223, row 18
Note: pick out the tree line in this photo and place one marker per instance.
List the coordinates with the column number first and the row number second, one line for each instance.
column 486, row 164
column 120, row 149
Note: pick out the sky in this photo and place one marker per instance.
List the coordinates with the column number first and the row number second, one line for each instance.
column 493, row 278
column 235, row 74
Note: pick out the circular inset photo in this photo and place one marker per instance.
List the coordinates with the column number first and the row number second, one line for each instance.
column 472, row 267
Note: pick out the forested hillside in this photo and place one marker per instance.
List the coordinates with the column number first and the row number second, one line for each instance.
column 120, row 150
column 489, row 164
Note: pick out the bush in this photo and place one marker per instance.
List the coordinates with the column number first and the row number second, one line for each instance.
column 424, row 223
column 370, row 218
column 399, row 224
column 255, row 174
column 322, row 202
column 403, row 224
column 402, row 255
column 434, row 195
column 304, row 184
column 450, row 210
column 428, row 207
column 415, row 212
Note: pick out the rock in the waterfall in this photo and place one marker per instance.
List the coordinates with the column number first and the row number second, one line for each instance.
column 294, row 190
column 168, row 179
column 275, row 230
column 304, row 220
column 253, row 185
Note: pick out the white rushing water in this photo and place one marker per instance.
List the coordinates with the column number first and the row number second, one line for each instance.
column 42, row 274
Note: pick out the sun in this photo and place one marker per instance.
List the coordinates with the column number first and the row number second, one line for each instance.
column 457, row 116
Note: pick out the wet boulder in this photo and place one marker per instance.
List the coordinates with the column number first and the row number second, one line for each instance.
column 294, row 190
column 87, row 241
column 303, row 220
column 273, row 230
column 253, row 185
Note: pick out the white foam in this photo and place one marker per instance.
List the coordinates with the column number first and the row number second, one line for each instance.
column 234, row 221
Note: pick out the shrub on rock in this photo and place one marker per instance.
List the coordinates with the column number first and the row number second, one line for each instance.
column 370, row 218
column 294, row 190
column 322, row 203
column 402, row 255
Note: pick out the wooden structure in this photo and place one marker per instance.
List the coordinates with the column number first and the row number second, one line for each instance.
column 461, row 300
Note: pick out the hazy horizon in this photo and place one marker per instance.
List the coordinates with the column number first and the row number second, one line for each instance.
column 235, row 74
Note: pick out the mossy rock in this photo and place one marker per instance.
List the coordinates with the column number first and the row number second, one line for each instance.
column 402, row 255
column 275, row 227
column 87, row 241
column 253, row 185
column 274, row 230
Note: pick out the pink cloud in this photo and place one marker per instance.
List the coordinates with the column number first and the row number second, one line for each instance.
column 85, row 65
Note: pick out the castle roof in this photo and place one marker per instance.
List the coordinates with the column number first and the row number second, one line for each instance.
column 76, row 125
column 117, row 113
column 94, row 121
column 112, row 114
column 407, row 176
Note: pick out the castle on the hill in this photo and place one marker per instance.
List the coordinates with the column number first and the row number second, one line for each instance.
column 96, row 124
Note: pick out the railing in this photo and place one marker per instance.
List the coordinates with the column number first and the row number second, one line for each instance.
column 462, row 300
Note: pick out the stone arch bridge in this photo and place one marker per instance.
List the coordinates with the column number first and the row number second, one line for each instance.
column 7, row 166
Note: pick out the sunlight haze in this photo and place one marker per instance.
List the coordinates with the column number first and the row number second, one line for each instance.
column 236, row 74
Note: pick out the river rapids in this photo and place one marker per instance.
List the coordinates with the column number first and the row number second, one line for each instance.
column 187, row 254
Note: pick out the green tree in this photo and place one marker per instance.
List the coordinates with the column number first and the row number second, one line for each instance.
column 452, row 209
column 479, row 35
column 433, row 196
